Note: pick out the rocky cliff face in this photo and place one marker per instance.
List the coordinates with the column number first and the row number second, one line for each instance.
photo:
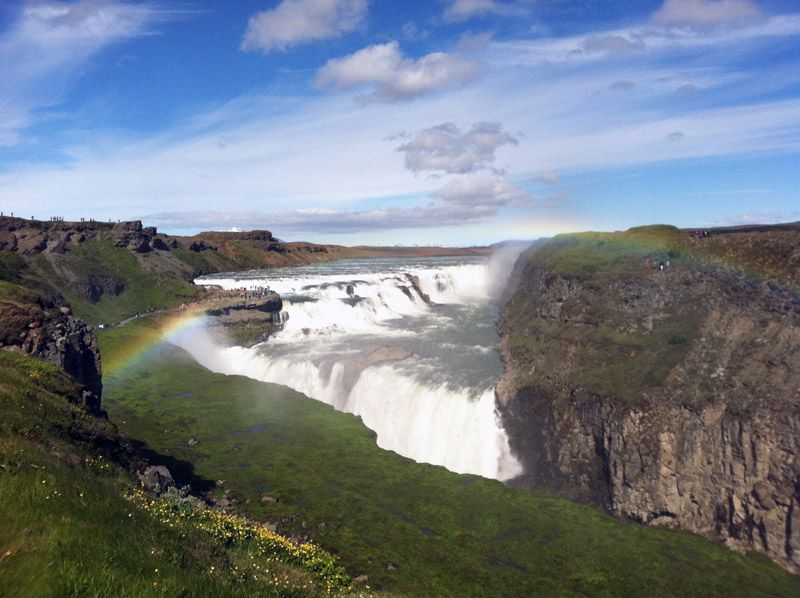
column 43, row 329
column 668, row 396
column 30, row 237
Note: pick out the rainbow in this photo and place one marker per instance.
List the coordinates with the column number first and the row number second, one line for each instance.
column 132, row 347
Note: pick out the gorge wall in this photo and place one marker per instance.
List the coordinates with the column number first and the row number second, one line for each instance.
column 670, row 395
column 40, row 324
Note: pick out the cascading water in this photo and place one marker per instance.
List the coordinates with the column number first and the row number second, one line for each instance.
column 405, row 344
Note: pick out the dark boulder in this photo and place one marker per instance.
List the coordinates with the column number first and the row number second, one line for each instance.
column 156, row 478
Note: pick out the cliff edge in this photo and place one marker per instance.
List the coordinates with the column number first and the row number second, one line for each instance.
column 656, row 373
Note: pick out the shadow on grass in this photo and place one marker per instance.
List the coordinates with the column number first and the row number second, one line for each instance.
column 182, row 472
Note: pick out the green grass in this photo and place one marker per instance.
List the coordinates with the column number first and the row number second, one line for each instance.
column 201, row 262
column 245, row 254
column 73, row 523
column 449, row 534
column 143, row 289
column 600, row 257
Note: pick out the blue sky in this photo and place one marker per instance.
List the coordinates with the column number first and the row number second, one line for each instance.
column 454, row 122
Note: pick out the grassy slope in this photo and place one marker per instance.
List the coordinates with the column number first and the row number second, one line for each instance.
column 144, row 289
column 451, row 535
column 68, row 530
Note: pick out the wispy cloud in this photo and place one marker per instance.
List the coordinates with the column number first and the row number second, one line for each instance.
column 704, row 14
column 393, row 76
column 461, row 10
column 461, row 202
column 294, row 22
column 48, row 44
column 548, row 178
column 458, row 11
column 470, row 42
column 757, row 217
column 619, row 43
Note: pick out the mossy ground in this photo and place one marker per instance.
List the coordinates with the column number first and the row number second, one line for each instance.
column 74, row 524
column 414, row 529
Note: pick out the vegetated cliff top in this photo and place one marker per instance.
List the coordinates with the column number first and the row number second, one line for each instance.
column 622, row 314
column 109, row 271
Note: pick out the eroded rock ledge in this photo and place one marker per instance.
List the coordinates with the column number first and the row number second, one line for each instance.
column 671, row 397
column 51, row 332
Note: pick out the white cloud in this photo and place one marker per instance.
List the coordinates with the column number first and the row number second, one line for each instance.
column 395, row 77
column 704, row 14
column 50, row 37
column 301, row 21
column 484, row 191
column 549, row 178
column 445, row 148
column 410, row 32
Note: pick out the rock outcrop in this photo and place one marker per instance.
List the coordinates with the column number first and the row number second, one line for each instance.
column 98, row 285
column 133, row 236
column 246, row 319
column 414, row 280
column 51, row 332
column 668, row 396
column 156, row 478
column 30, row 237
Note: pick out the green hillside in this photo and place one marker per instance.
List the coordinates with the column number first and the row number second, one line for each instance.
column 411, row 528
column 76, row 524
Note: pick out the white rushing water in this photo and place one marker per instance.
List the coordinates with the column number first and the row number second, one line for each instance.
column 358, row 335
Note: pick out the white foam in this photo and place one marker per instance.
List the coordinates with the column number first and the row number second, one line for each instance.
column 411, row 409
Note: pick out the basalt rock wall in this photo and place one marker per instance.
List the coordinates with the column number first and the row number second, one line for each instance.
column 668, row 396
column 51, row 332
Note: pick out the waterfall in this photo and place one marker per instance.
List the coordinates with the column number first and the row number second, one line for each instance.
column 363, row 338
